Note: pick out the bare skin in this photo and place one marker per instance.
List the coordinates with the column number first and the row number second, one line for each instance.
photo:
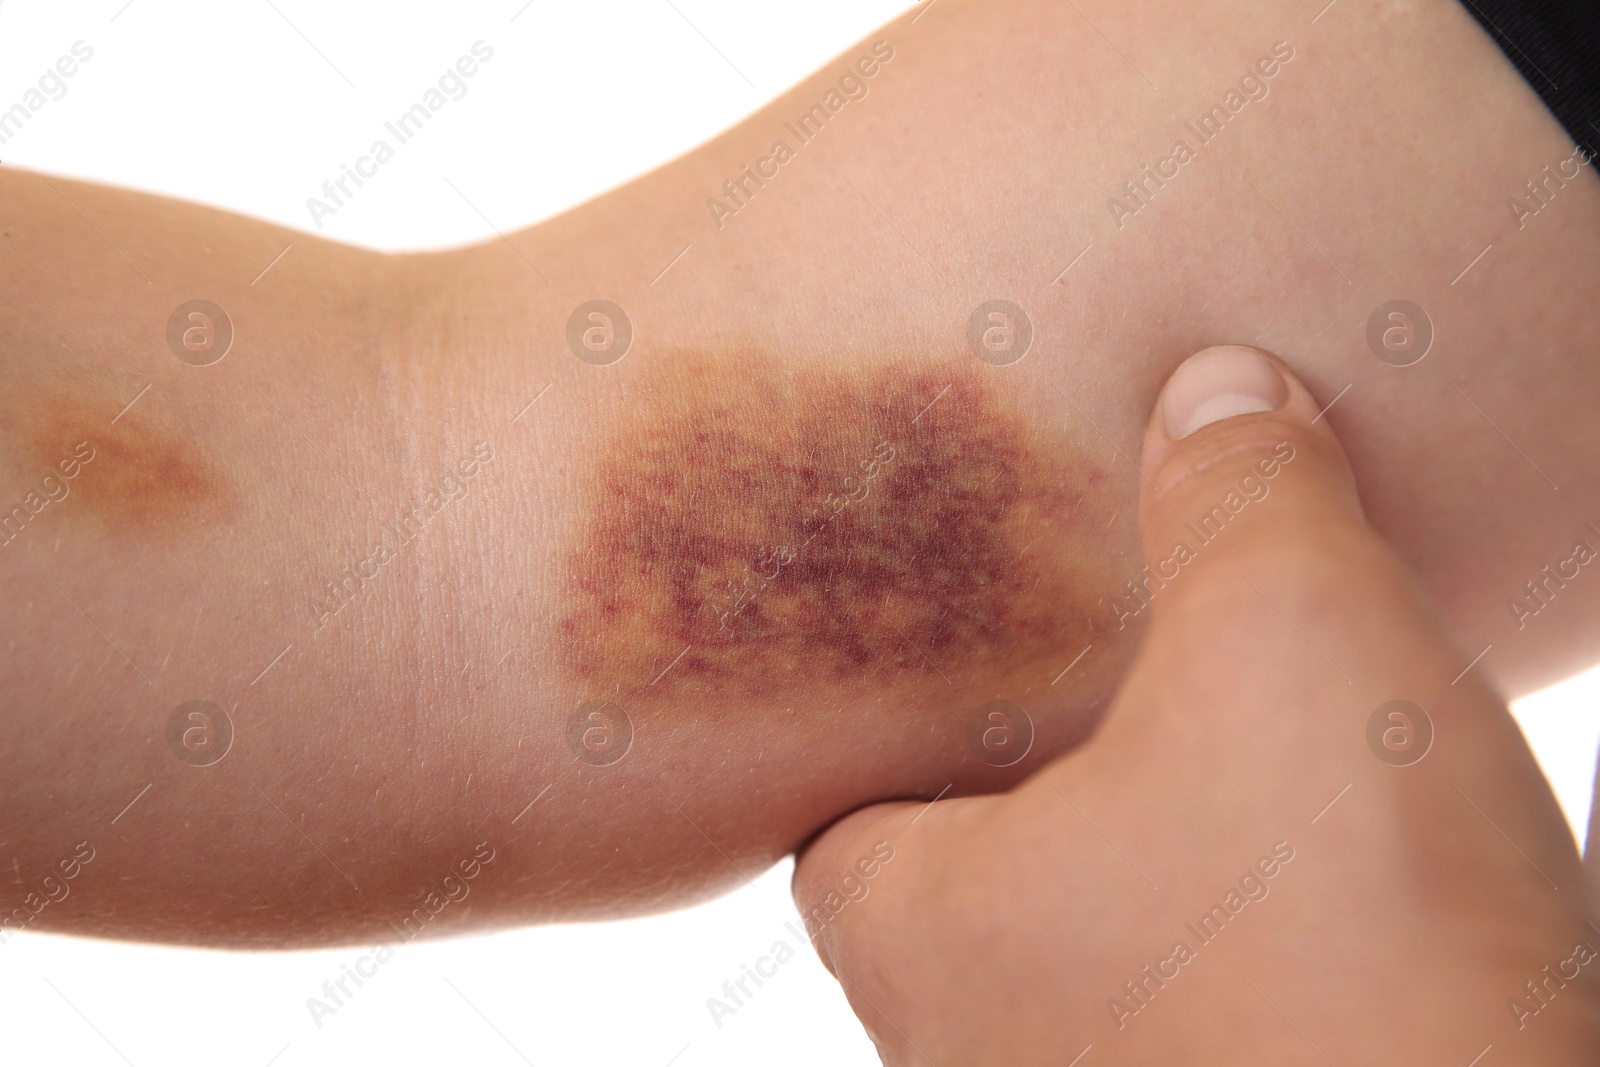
column 1225, row 873
column 382, row 735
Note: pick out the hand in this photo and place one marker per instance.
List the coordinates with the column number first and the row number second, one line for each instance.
column 1258, row 859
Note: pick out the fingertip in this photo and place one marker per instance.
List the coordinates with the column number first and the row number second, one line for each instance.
column 1217, row 385
column 836, row 844
column 1227, row 423
column 858, row 843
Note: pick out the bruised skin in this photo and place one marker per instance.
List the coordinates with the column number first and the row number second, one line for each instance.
column 766, row 536
column 435, row 714
column 137, row 473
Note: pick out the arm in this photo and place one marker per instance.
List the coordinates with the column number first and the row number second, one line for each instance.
column 603, row 546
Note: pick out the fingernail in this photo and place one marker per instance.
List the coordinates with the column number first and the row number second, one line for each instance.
column 1219, row 383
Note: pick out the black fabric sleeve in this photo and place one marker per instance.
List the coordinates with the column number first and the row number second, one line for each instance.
column 1556, row 46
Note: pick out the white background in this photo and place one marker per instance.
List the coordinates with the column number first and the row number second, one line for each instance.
column 250, row 107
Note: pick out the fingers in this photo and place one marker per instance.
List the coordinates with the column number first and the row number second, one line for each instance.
column 1249, row 513
column 843, row 865
column 990, row 929
column 1236, row 459
column 1275, row 607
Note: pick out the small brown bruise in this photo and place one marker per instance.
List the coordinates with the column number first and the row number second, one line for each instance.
column 758, row 535
column 142, row 475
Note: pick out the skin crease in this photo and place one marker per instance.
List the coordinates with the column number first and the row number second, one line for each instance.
column 375, row 746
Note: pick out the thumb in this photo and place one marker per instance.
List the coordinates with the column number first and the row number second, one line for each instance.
column 836, row 869
column 1229, row 424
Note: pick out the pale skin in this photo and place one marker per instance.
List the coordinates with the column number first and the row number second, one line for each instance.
column 375, row 747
